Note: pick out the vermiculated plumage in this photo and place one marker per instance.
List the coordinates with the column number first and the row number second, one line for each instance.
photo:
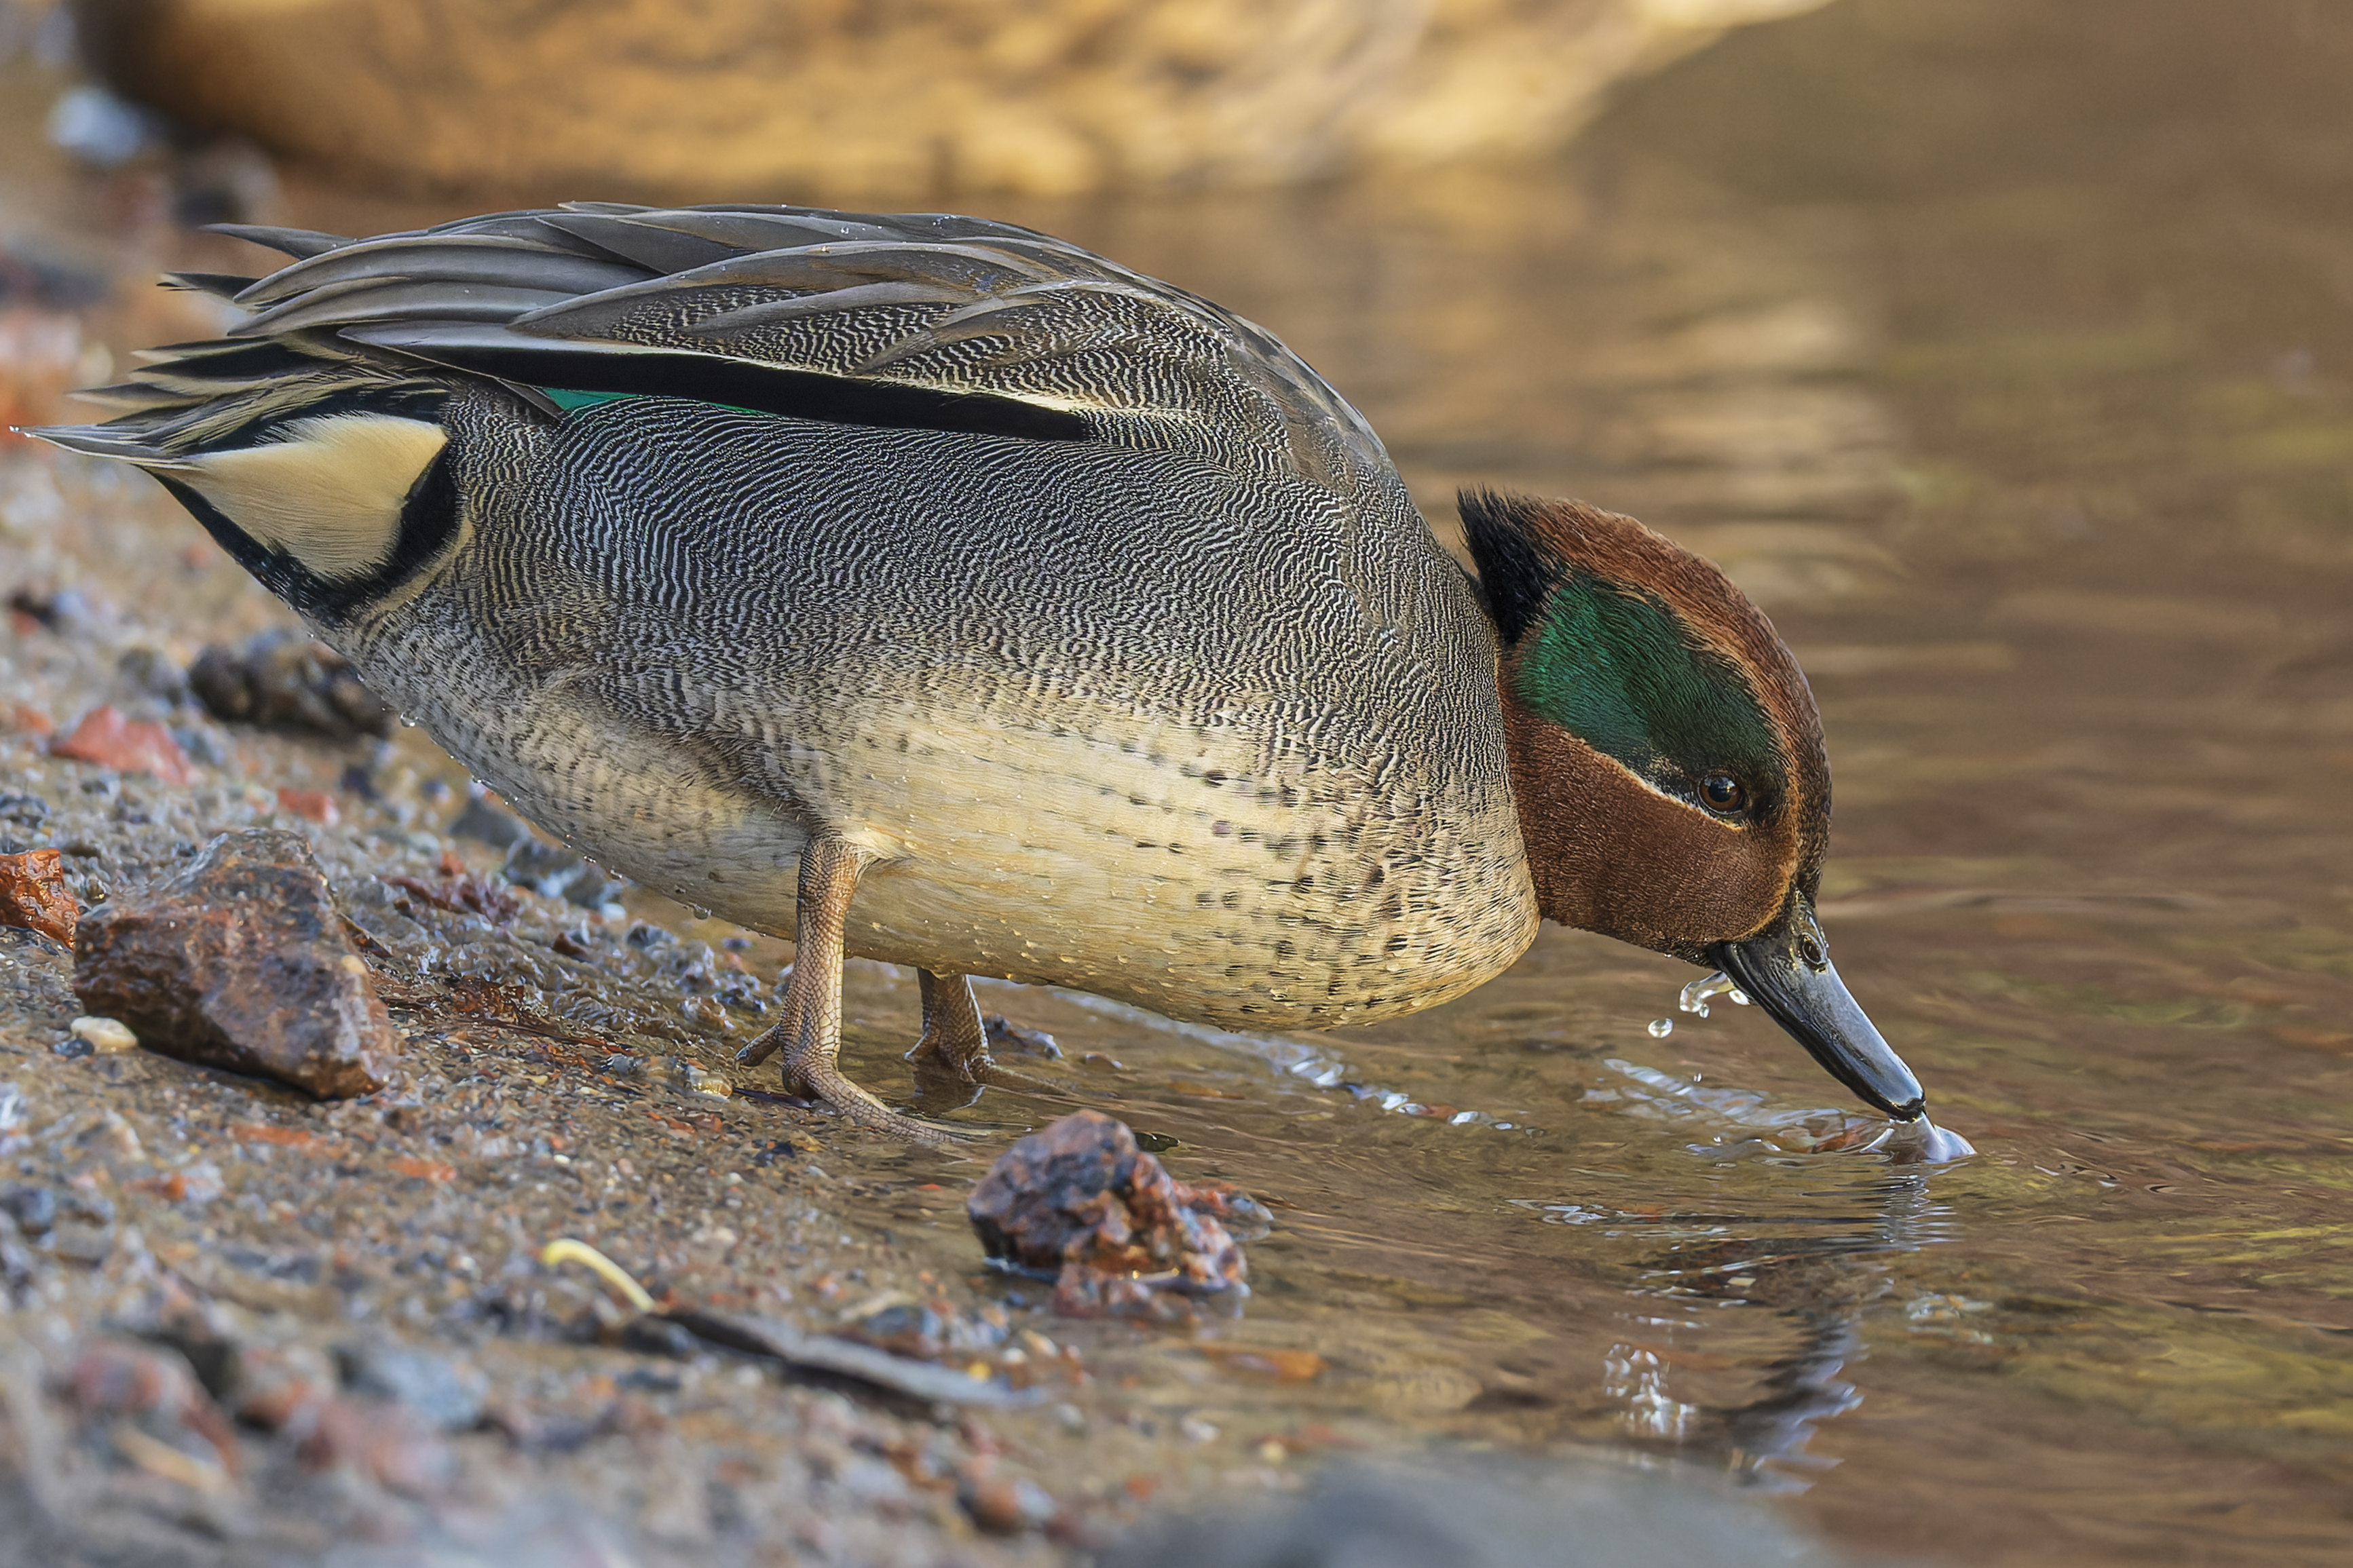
column 942, row 592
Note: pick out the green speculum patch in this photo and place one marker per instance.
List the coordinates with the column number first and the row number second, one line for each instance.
column 570, row 402
column 1615, row 669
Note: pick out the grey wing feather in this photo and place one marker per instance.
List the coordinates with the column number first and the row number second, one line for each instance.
column 295, row 242
column 457, row 259
column 933, row 303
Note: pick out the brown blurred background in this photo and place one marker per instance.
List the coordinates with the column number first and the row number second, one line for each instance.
column 898, row 100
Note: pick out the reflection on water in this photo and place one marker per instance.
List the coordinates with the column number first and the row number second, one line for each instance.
column 2006, row 353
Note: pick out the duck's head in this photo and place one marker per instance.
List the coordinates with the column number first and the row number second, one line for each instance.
column 1667, row 758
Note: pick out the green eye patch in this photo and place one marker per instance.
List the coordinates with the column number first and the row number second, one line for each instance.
column 1615, row 669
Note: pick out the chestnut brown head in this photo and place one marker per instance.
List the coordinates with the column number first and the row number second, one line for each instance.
column 1667, row 759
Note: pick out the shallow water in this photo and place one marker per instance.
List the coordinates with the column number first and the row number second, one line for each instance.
column 2008, row 358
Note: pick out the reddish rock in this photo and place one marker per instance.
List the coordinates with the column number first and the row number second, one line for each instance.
column 1007, row 1505
column 1079, row 1201
column 34, row 895
column 28, row 719
column 153, row 1387
column 239, row 961
column 309, row 804
column 127, row 745
column 462, row 895
column 283, row 1388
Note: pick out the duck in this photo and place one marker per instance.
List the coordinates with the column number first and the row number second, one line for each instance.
column 924, row 588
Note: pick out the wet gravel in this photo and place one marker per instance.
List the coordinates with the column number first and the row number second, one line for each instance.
column 339, row 1335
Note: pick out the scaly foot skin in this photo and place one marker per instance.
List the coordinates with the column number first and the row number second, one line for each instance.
column 952, row 1059
column 810, row 1072
column 809, row 1032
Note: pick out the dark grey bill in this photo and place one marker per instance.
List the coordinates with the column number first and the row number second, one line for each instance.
column 1785, row 969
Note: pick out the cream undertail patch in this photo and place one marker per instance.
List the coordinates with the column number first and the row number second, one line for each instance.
column 327, row 492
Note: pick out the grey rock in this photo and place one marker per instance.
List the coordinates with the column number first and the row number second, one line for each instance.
column 34, row 1209
column 1571, row 1515
column 284, row 681
column 446, row 1392
column 486, row 823
column 150, row 672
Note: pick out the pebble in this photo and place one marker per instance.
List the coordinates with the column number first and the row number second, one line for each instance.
column 1082, row 1198
column 285, row 680
column 127, row 745
column 447, row 1394
column 34, row 895
column 283, row 1387
column 1008, row 1505
column 104, row 1035
column 309, row 804
column 238, row 960
column 154, row 1387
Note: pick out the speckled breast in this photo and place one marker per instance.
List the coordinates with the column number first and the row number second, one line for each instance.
column 1104, row 718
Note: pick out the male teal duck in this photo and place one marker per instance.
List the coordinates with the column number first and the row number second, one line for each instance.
column 930, row 590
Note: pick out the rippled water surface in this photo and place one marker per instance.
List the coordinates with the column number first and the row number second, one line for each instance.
column 2007, row 357
column 2005, row 352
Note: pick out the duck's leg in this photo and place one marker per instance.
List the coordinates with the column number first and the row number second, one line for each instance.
column 809, row 1033
column 953, row 1056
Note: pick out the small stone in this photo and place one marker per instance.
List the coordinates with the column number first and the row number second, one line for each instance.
column 152, row 672
column 24, row 810
column 309, row 804
column 1081, row 1199
column 34, row 1209
column 486, row 822
column 155, row 1388
column 1008, row 1505
column 34, row 895
column 1269, row 1365
column 237, row 960
column 83, row 1242
column 104, row 1035
column 446, row 1392
column 284, row 681
column 127, row 745
column 281, row 1386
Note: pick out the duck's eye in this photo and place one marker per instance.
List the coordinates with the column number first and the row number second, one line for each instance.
column 1722, row 793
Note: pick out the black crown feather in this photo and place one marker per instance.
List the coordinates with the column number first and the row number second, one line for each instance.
column 1517, row 574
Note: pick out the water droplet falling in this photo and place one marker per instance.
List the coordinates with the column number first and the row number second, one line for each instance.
column 1693, row 999
column 1661, row 1027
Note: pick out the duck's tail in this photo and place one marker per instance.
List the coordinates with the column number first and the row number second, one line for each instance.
column 228, row 393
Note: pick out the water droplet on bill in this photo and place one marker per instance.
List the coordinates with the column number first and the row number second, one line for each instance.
column 1694, row 998
column 1661, row 1027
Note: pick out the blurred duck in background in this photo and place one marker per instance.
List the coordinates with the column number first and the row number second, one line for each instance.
column 1055, row 98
